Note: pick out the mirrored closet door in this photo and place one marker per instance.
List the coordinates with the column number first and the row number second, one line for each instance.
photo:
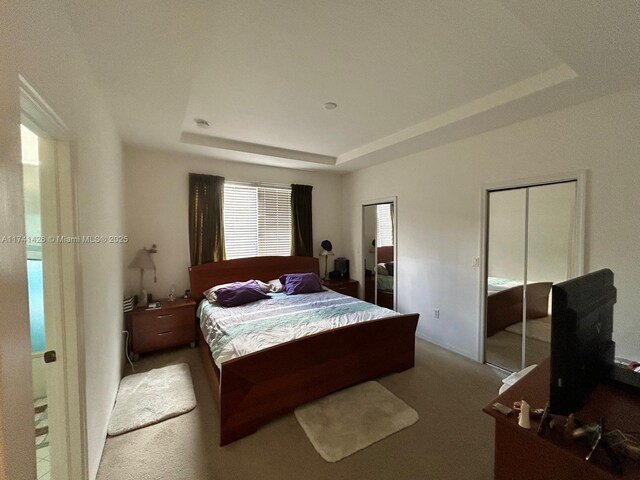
column 379, row 255
column 531, row 245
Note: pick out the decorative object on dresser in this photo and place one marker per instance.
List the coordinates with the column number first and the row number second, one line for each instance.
column 171, row 325
column 346, row 286
column 143, row 261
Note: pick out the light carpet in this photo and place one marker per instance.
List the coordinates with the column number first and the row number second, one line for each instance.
column 347, row 421
column 151, row 397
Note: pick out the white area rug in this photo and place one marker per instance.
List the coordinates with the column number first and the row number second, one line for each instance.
column 342, row 423
column 151, row 397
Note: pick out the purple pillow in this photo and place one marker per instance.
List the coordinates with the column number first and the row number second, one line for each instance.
column 389, row 267
column 295, row 283
column 239, row 293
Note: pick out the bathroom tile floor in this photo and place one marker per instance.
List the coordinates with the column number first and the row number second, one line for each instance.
column 41, row 418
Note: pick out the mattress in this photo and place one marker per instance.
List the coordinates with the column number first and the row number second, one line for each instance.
column 237, row 331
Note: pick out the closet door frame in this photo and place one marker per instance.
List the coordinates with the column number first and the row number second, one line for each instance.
column 580, row 177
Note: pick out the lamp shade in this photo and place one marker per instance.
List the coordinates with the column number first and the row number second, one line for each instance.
column 326, row 245
column 143, row 260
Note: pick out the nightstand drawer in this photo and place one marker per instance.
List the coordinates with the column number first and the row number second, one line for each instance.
column 158, row 339
column 162, row 320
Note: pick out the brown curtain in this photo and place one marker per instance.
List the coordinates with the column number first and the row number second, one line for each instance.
column 206, row 226
column 301, row 221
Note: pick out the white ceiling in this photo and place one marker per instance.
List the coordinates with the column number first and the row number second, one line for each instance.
column 407, row 75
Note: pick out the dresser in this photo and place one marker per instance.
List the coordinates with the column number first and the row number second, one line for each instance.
column 525, row 455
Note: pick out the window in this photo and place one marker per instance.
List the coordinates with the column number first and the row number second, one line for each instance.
column 257, row 220
column 384, row 232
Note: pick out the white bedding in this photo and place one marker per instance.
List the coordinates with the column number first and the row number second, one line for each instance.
column 233, row 332
column 498, row 284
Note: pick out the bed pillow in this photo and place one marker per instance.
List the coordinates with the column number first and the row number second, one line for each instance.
column 381, row 269
column 295, row 283
column 276, row 285
column 212, row 296
column 265, row 287
column 239, row 293
column 389, row 267
column 211, row 293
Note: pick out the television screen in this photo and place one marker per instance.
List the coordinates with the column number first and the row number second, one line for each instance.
column 582, row 350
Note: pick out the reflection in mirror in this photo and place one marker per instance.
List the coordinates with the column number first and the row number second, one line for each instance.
column 378, row 247
column 531, row 245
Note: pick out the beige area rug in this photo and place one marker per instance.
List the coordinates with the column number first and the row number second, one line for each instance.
column 347, row 421
column 151, row 397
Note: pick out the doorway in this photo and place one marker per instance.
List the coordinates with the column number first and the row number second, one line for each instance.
column 379, row 251
column 51, row 251
column 533, row 239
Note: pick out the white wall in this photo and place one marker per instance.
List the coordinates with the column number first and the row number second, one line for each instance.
column 37, row 43
column 157, row 209
column 439, row 217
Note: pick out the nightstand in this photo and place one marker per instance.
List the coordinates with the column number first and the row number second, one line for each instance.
column 170, row 325
column 346, row 286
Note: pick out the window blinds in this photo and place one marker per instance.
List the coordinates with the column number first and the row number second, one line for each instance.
column 257, row 220
column 384, row 232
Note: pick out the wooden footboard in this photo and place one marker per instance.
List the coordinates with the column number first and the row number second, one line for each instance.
column 258, row 387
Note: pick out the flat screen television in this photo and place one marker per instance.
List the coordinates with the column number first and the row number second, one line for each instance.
column 582, row 350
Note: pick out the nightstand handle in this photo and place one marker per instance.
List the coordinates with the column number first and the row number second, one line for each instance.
column 165, row 333
column 165, row 315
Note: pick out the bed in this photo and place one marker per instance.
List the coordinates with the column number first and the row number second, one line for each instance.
column 252, row 389
column 385, row 277
column 504, row 305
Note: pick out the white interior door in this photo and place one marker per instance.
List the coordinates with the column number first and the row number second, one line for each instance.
column 57, row 366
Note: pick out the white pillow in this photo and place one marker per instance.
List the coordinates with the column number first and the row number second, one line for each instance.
column 265, row 287
column 276, row 286
column 211, row 293
column 381, row 269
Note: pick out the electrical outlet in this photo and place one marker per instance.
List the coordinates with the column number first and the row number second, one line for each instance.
column 436, row 313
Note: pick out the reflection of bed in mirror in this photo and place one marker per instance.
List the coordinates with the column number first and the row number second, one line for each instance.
column 504, row 309
column 385, row 271
column 504, row 322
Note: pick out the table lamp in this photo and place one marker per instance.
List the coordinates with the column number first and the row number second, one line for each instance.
column 143, row 261
column 326, row 251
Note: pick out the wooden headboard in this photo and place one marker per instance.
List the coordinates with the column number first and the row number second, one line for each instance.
column 385, row 254
column 203, row 277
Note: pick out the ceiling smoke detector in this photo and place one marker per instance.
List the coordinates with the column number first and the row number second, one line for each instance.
column 201, row 122
column 330, row 106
